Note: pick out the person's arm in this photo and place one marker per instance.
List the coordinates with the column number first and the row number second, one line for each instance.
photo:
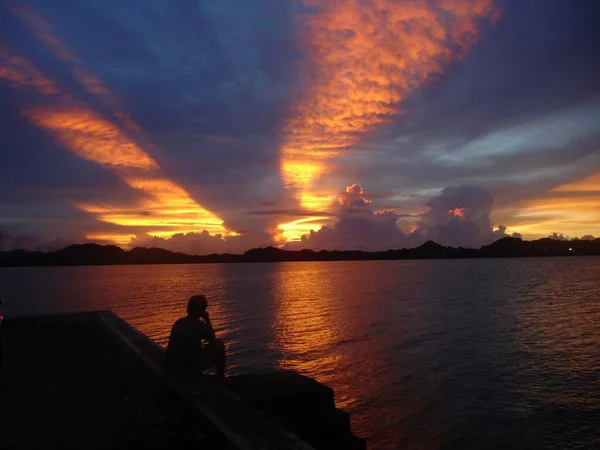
column 210, row 335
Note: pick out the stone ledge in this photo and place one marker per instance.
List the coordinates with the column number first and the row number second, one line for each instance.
column 243, row 425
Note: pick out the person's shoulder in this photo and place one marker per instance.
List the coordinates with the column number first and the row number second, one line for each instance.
column 180, row 322
column 189, row 322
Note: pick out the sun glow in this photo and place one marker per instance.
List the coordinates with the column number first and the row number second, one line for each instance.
column 571, row 215
column 294, row 230
column 165, row 210
column 114, row 238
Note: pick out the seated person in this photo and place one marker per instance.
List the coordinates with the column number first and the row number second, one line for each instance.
column 192, row 343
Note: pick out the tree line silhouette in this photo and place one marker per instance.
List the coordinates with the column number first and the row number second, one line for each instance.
column 94, row 254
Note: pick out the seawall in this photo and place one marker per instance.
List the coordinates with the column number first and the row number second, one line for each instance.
column 90, row 380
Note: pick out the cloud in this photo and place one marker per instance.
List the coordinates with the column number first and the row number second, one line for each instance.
column 363, row 58
column 562, row 237
column 92, row 137
column 346, row 83
column 458, row 217
column 359, row 227
column 202, row 243
column 31, row 242
column 167, row 206
column 20, row 72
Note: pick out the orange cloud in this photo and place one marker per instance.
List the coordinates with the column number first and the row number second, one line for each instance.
column 44, row 32
column 588, row 184
column 363, row 59
column 572, row 209
column 457, row 212
column 113, row 238
column 92, row 137
column 568, row 213
column 169, row 199
column 294, row 230
column 20, row 72
column 167, row 208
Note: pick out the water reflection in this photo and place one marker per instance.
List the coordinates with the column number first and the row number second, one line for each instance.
column 423, row 354
column 304, row 324
column 555, row 331
column 247, row 312
column 329, row 323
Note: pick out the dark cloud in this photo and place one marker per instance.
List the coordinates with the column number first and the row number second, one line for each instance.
column 31, row 242
column 458, row 217
column 562, row 237
column 203, row 243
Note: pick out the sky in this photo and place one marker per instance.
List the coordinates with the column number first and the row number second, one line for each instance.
column 221, row 125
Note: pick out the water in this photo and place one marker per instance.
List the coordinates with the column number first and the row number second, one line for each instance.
column 431, row 354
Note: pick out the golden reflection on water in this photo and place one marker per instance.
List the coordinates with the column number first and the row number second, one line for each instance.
column 303, row 321
column 159, row 297
column 419, row 352
column 320, row 332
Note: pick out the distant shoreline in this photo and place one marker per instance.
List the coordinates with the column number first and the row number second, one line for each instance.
column 94, row 254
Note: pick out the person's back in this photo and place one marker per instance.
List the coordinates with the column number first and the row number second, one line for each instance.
column 187, row 338
column 192, row 343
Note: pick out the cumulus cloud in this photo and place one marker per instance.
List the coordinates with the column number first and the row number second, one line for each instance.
column 200, row 243
column 458, row 217
column 562, row 237
column 360, row 227
column 559, row 237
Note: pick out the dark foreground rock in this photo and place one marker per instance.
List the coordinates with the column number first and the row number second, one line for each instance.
column 300, row 404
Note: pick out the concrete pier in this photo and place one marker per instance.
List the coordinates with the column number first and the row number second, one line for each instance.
column 90, row 380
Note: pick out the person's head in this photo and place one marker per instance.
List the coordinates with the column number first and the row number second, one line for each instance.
column 196, row 306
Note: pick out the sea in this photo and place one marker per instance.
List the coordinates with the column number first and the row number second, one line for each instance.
column 424, row 354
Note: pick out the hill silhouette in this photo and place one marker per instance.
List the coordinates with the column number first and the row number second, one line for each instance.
column 94, row 254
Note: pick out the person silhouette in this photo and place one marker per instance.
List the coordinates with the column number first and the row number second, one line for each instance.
column 193, row 345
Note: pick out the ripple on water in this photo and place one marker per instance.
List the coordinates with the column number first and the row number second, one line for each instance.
column 423, row 354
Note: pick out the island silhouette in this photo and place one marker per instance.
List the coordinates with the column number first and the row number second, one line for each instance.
column 95, row 254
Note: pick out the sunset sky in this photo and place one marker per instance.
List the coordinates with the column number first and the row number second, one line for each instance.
column 221, row 125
